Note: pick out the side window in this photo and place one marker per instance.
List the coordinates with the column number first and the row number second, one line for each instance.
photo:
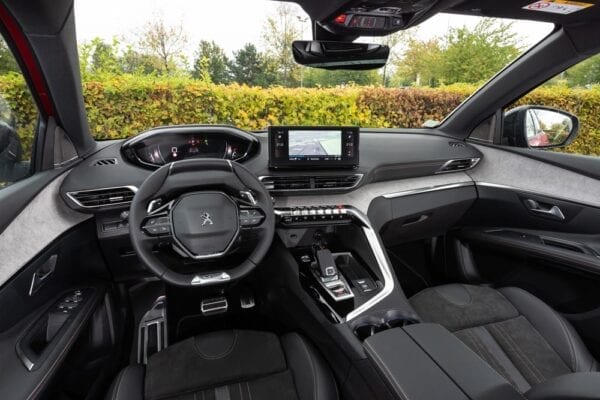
column 18, row 120
column 562, row 115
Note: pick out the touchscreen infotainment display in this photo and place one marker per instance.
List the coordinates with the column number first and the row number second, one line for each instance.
column 316, row 145
column 306, row 147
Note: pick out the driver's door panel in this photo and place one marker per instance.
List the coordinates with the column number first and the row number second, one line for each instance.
column 70, row 309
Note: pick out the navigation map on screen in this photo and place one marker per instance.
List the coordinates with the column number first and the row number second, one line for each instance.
column 315, row 143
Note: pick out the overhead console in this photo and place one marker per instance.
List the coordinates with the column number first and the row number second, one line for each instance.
column 302, row 147
column 376, row 17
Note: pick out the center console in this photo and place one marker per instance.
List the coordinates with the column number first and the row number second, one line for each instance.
column 350, row 296
column 342, row 263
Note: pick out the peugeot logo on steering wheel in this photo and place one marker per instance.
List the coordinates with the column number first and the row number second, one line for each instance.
column 206, row 219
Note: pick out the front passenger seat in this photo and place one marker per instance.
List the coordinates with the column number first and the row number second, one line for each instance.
column 516, row 333
column 230, row 365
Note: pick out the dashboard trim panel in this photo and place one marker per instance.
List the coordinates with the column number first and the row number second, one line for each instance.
column 428, row 190
column 361, row 197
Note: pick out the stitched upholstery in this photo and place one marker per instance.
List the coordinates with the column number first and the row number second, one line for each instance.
column 233, row 365
column 516, row 333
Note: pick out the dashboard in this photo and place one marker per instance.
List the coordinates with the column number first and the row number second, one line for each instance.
column 168, row 144
column 320, row 164
column 393, row 164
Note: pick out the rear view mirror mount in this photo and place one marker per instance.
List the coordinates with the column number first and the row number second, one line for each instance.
column 340, row 55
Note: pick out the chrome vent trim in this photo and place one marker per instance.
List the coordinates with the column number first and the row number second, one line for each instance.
column 105, row 161
column 103, row 197
column 460, row 164
column 311, row 182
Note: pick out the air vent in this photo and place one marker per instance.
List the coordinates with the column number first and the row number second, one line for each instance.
column 322, row 182
column 458, row 165
column 105, row 161
column 107, row 197
column 336, row 182
column 285, row 183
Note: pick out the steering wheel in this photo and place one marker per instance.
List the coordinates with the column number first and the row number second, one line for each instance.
column 203, row 209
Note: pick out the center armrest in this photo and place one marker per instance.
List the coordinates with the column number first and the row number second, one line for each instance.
column 576, row 386
column 426, row 361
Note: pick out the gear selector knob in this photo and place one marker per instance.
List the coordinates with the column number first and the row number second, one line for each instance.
column 326, row 264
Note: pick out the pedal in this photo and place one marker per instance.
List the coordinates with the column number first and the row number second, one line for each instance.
column 152, row 330
column 247, row 301
column 213, row 306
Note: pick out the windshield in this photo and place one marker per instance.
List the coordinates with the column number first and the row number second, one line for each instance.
column 151, row 63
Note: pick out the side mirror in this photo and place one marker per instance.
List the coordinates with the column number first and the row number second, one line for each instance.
column 340, row 55
column 11, row 152
column 539, row 127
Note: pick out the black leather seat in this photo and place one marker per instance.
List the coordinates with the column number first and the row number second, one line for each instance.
column 516, row 333
column 230, row 365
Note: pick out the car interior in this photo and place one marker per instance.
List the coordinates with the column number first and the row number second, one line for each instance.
column 210, row 262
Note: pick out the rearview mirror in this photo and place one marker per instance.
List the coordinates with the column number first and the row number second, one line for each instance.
column 539, row 127
column 340, row 55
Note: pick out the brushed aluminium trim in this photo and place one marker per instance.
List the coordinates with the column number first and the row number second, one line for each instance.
column 71, row 196
column 428, row 189
column 358, row 181
column 380, row 257
column 474, row 161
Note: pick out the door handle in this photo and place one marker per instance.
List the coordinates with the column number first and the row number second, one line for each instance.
column 42, row 274
column 548, row 210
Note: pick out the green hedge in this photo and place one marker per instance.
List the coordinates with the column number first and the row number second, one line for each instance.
column 122, row 106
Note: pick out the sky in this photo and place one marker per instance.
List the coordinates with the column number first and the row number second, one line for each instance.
column 230, row 23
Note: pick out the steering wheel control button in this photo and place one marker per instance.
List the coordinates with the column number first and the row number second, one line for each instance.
column 250, row 217
column 157, row 226
column 205, row 224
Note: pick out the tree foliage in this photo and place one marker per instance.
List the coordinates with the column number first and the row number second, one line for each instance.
column 7, row 60
column 279, row 31
column 585, row 73
column 325, row 78
column 463, row 55
column 211, row 60
column 253, row 68
column 166, row 43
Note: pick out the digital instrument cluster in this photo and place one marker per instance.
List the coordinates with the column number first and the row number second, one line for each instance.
column 165, row 145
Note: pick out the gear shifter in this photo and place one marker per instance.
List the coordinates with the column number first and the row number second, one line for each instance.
column 327, row 273
column 326, row 265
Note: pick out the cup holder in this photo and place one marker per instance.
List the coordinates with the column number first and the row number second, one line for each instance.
column 368, row 326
